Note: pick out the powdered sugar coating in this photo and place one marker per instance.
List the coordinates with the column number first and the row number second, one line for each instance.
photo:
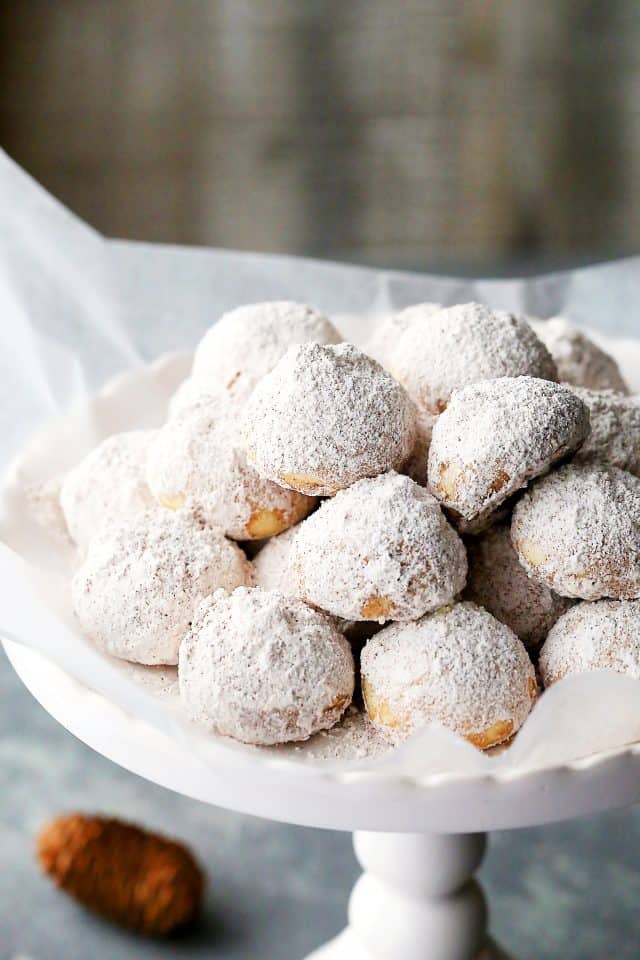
column 578, row 531
column 108, row 486
column 354, row 739
column 43, row 504
column 160, row 680
column 271, row 564
column 615, row 429
column 264, row 668
column 381, row 550
column 246, row 344
column 193, row 391
column 498, row 582
column 578, row 359
column 384, row 340
column 594, row 636
column 140, row 583
column 462, row 345
column 458, row 667
column 382, row 347
column 496, row 435
column 195, row 461
column 325, row 417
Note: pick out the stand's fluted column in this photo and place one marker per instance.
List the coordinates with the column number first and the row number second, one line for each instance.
column 417, row 899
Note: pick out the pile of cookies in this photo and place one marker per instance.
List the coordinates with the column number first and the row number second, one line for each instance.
column 415, row 526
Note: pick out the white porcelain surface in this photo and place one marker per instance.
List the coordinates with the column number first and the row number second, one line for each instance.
column 309, row 796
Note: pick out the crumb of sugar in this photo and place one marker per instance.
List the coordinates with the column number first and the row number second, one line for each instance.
column 354, row 738
column 161, row 680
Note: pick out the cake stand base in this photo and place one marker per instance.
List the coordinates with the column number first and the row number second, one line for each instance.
column 416, row 899
column 345, row 947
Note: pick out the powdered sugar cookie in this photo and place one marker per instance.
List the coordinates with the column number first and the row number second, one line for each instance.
column 140, row 583
column 381, row 550
column 195, row 461
column 594, row 636
column 615, row 430
column 498, row 582
column 193, row 391
column 458, row 667
column 264, row 668
column 273, row 572
column 578, row 359
column 108, row 486
column 384, row 340
column 246, row 344
column 462, row 345
column 271, row 564
column 578, row 531
column 496, row 435
column 325, row 417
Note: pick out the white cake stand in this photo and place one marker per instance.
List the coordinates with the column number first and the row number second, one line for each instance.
column 419, row 840
column 419, row 843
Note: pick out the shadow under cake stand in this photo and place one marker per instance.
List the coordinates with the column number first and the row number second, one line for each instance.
column 419, row 841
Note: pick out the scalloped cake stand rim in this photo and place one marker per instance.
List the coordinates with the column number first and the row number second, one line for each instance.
column 391, row 803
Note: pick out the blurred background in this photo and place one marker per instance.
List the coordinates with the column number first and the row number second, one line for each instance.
column 423, row 134
column 478, row 136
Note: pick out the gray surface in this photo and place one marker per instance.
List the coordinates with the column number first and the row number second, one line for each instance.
column 569, row 891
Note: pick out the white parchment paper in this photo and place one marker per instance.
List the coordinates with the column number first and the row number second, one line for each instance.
column 78, row 309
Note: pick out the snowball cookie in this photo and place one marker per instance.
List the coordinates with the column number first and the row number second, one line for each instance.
column 271, row 564
column 498, row 582
column 497, row 435
column 273, row 572
column 247, row 343
column 578, row 531
column 382, row 343
column 458, row 667
column 462, row 345
column 108, row 486
column 140, row 583
column 381, row 347
column 190, row 392
column 264, row 668
column 578, row 359
column 325, row 417
column 594, row 636
column 615, row 429
column 381, row 550
column 195, row 461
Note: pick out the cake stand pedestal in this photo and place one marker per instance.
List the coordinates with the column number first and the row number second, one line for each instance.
column 416, row 899
column 419, row 841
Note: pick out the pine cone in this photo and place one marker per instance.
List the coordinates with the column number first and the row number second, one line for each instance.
column 137, row 879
